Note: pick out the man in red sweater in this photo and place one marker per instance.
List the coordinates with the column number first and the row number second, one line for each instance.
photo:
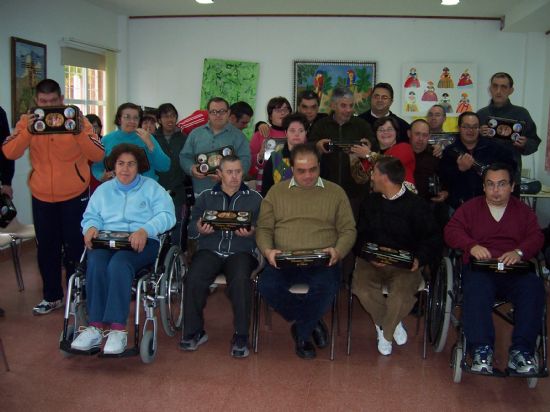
column 498, row 226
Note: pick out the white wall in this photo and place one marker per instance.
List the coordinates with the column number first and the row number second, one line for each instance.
column 165, row 56
column 46, row 22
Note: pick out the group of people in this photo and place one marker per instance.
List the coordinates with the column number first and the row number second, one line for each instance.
column 328, row 182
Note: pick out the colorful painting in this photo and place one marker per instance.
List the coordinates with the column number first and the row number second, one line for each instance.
column 28, row 67
column 233, row 80
column 449, row 84
column 323, row 76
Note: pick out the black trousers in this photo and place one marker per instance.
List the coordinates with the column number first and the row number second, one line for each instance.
column 58, row 234
column 205, row 266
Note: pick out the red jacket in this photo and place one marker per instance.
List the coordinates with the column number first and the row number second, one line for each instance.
column 472, row 224
column 59, row 162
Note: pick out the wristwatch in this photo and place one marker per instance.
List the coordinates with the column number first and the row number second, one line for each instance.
column 519, row 252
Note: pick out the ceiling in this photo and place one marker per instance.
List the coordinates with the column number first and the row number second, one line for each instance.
column 517, row 15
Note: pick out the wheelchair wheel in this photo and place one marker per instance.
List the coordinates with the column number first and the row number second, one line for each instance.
column 171, row 291
column 457, row 362
column 148, row 347
column 70, row 337
column 440, row 316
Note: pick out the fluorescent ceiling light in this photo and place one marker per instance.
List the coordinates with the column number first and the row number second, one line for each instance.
column 205, row 1
column 447, row 2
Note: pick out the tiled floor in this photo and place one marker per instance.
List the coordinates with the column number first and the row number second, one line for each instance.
column 274, row 379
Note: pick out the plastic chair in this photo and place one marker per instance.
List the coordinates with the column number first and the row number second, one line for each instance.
column 12, row 236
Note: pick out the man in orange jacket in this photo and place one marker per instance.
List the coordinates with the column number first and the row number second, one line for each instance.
column 59, row 181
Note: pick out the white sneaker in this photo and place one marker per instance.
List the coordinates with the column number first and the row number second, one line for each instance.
column 116, row 342
column 384, row 346
column 87, row 339
column 400, row 334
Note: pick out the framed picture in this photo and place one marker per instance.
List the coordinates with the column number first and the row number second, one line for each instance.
column 28, row 67
column 323, row 76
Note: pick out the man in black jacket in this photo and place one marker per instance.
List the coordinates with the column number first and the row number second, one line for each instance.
column 395, row 218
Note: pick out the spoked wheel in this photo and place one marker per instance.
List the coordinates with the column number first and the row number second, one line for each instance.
column 457, row 362
column 171, row 291
column 441, row 306
column 532, row 382
column 148, row 347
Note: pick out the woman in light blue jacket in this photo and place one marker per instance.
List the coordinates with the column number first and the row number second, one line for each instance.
column 130, row 203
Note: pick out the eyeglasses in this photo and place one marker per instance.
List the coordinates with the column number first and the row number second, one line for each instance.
column 131, row 163
column 168, row 116
column 468, row 127
column 381, row 97
column 130, row 117
column 496, row 185
column 388, row 130
column 220, row 112
column 281, row 110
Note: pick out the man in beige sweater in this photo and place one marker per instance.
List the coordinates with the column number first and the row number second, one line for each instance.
column 304, row 213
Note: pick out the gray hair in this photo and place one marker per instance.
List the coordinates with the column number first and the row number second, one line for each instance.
column 341, row 93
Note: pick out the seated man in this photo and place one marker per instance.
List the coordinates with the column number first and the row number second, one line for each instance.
column 498, row 226
column 393, row 217
column 304, row 213
column 221, row 251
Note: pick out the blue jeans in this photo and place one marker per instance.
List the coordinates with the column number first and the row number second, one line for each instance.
column 109, row 277
column 525, row 292
column 306, row 310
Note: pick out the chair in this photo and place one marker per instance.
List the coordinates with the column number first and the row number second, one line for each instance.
column 13, row 235
column 298, row 289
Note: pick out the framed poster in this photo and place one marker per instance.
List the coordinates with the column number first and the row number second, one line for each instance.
column 233, row 80
column 323, row 76
column 28, row 67
column 452, row 85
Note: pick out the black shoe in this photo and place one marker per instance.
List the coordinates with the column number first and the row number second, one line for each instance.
column 1, row 313
column 305, row 349
column 320, row 335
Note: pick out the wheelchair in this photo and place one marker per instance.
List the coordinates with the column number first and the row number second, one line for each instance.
column 446, row 300
column 158, row 285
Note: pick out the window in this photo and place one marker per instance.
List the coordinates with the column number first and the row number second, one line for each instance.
column 85, row 88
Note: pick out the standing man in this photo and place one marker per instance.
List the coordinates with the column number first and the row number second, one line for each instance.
column 498, row 226
column 308, row 105
column 464, row 161
column 501, row 87
column 304, row 213
column 380, row 103
column 397, row 218
column 175, row 181
column 240, row 114
column 217, row 133
column 222, row 251
column 59, row 182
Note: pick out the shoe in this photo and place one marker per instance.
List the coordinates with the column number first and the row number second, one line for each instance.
column 1, row 313
column 45, row 307
column 305, row 349
column 400, row 334
column 87, row 339
column 384, row 346
column 320, row 335
column 294, row 332
column 522, row 362
column 192, row 342
column 483, row 360
column 239, row 346
column 116, row 342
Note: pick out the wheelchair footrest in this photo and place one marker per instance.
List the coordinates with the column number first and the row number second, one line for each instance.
column 65, row 346
column 538, row 374
column 497, row 373
column 127, row 353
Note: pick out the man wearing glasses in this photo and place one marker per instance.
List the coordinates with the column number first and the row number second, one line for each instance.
column 214, row 135
column 498, row 226
column 381, row 100
column 464, row 161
